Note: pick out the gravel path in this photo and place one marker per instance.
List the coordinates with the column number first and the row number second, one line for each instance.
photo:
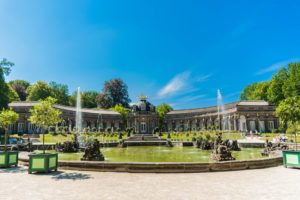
column 271, row 183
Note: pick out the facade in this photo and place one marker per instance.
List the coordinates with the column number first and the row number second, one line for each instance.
column 246, row 116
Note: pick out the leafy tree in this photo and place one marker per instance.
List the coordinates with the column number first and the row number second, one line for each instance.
column 60, row 92
column 43, row 115
column 104, row 101
column 88, row 99
column 291, row 86
column 162, row 110
column 123, row 111
column 5, row 68
column 260, row 93
column 116, row 92
column 256, row 91
column 12, row 95
column 39, row 91
column 248, row 91
column 20, row 87
column 289, row 112
column 20, row 90
column 275, row 92
column 7, row 117
column 24, row 83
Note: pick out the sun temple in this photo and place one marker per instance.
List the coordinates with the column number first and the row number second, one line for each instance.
column 245, row 116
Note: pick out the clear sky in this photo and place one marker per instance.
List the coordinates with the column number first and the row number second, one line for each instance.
column 179, row 52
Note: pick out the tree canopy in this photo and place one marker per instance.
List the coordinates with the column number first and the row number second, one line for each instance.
column 44, row 114
column 162, row 110
column 256, row 91
column 39, row 91
column 7, row 117
column 291, row 86
column 20, row 87
column 275, row 93
column 123, row 111
column 5, row 68
column 88, row 99
column 288, row 110
column 60, row 92
column 114, row 92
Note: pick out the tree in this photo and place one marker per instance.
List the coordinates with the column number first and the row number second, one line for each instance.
column 124, row 113
column 291, row 86
column 256, row 91
column 247, row 92
column 275, row 92
column 289, row 112
column 39, row 91
column 7, row 117
column 12, row 95
column 116, row 92
column 24, row 83
column 43, row 115
column 88, row 99
column 162, row 110
column 5, row 68
column 104, row 101
column 20, row 86
column 60, row 92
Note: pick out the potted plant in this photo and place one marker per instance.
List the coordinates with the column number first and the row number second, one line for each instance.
column 43, row 115
column 289, row 113
column 8, row 158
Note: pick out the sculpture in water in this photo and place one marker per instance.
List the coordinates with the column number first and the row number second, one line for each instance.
column 221, row 152
column 68, row 146
column 92, row 152
column 273, row 148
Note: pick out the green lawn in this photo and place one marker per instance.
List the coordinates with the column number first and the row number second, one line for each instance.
column 175, row 136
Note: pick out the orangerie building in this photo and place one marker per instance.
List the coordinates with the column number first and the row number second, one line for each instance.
column 246, row 116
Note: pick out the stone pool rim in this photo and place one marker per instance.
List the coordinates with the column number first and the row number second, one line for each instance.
column 165, row 167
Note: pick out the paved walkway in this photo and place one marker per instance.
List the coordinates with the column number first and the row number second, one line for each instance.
column 266, row 184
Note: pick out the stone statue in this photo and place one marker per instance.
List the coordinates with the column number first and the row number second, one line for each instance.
column 221, row 152
column 272, row 148
column 68, row 146
column 92, row 152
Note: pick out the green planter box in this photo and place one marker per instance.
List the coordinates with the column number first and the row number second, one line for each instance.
column 9, row 158
column 291, row 158
column 43, row 162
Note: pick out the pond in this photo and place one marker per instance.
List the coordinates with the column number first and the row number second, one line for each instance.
column 162, row 154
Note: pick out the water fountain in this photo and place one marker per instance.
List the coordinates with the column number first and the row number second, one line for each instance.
column 78, row 125
column 224, row 122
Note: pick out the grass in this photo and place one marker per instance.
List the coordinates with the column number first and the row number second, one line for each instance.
column 188, row 136
column 175, row 136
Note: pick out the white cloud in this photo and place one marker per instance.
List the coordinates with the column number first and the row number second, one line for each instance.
column 192, row 98
column 178, row 83
column 182, row 83
column 203, row 78
column 275, row 66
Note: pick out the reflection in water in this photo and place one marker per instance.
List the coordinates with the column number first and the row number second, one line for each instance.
column 162, row 154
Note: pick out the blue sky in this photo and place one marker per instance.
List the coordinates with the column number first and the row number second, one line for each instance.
column 179, row 52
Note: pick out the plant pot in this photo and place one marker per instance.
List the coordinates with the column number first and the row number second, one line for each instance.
column 291, row 158
column 9, row 158
column 43, row 162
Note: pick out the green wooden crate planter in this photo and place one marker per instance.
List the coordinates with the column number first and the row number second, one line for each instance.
column 291, row 158
column 43, row 162
column 9, row 158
